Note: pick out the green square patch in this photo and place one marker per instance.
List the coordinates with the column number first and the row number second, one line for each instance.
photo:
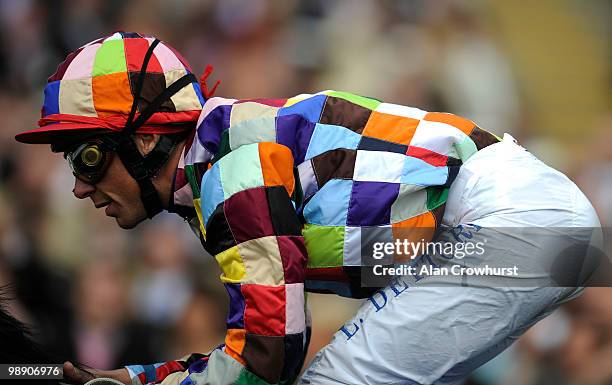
column 357, row 99
column 193, row 182
column 466, row 148
column 436, row 196
column 241, row 170
column 110, row 58
column 224, row 147
column 248, row 378
column 325, row 245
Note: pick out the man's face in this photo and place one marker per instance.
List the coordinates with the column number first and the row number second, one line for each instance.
column 117, row 192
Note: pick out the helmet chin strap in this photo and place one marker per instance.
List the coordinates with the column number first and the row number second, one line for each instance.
column 143, row 167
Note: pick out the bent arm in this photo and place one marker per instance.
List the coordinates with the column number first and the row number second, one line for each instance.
column 254, row 233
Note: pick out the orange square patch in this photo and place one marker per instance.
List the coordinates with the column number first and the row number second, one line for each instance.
column 234, row 343
column 415, row 230
column 112, row 94
column 277, row 165
column 392, row 128
column 462, row 124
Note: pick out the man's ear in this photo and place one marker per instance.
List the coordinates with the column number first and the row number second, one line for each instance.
column 146, row 142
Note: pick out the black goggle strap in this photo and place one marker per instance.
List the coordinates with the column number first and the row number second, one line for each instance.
column 159, row 99
column 149, row 164
column 142, row 168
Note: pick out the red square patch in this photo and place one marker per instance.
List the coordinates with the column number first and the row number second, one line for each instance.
column 135, row 50
column 264, row 313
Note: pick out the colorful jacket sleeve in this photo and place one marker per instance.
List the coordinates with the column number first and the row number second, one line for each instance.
column 252, row 229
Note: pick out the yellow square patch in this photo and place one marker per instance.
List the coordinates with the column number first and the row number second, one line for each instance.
column 231, row 264
column 197, row 204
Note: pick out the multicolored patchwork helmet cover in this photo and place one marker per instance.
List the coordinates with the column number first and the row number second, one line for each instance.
column 94, row 89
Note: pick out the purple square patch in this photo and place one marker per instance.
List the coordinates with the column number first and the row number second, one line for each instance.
column 213, row 125
column 294, row 132
column 235, row 315
column 370, row 203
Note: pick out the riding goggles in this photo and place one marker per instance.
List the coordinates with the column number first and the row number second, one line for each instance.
column 89, row 161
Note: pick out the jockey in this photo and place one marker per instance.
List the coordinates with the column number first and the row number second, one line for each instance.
column 282, row 192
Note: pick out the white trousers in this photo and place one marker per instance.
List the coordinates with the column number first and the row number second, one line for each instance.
column 438, row 335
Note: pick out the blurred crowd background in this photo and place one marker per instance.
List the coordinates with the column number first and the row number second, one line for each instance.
column 538, row 70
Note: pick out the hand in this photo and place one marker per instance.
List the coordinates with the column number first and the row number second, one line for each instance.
column 78, row 376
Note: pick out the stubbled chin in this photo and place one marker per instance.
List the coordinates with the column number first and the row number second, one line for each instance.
column 128, row 225
column 125, row 226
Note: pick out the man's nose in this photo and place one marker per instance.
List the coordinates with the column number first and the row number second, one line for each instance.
column 81, row 189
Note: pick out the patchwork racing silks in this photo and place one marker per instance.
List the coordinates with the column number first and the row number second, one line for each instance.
column 283, row 190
